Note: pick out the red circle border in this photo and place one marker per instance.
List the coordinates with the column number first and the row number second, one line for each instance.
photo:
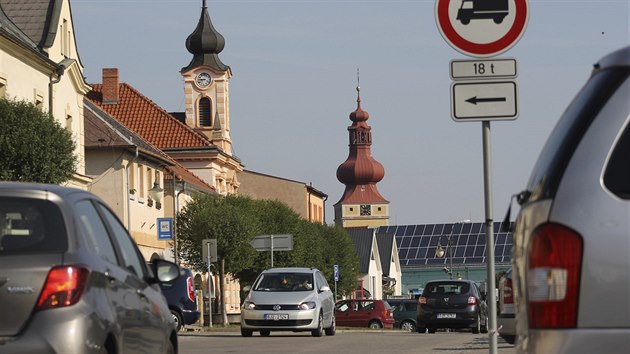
column 482, row 49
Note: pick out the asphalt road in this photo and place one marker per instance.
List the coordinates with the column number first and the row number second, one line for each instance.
column 345, row 341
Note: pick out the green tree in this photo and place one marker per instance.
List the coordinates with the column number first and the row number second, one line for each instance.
column 34, row 147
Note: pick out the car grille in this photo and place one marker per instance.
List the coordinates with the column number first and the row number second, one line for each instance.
column 281, row 323
column 281, row 307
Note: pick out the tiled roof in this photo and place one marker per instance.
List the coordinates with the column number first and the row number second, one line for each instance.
column 33, row 17
column 149, row 120
column 362, row 239
column 101, row 130
column 385, row 242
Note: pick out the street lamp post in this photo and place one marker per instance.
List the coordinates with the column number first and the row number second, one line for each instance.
column 440, row 252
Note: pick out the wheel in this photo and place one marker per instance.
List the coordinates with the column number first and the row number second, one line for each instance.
column 265, row 333
column 498, row 19
column 421, row 329
column 330, row 331
column 170, row 349
column 246, row 332
column 375, row 324
column 320, row 326
column 477, row 327
column 484, row 327
column 408, row 326
column 465, row 21
column 431, row 329
column 177, row 318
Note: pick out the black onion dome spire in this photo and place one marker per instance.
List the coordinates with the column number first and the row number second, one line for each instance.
column 205, row 43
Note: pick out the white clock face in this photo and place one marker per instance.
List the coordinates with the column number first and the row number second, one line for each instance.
column 203, row 80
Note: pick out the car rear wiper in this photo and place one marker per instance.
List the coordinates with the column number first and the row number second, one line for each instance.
column 521, row 198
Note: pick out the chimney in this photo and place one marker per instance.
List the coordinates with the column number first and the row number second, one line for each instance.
column 110, row 86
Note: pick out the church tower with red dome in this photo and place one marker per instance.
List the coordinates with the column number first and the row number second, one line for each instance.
column 361, row 204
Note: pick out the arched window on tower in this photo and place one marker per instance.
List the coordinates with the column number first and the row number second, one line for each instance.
column 205, row 112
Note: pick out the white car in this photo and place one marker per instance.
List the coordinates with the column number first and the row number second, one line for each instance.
column 572, row 234
column 289, row 299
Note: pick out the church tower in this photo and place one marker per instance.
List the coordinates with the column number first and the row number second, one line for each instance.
column 361, row 204
column 206, row 84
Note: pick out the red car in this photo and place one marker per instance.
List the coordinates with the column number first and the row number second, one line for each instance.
column 364, row 313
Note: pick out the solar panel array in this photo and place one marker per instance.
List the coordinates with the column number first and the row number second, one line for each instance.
column 417, row 244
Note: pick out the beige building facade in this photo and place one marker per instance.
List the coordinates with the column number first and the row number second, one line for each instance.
column 302, row 198
column 39, row 63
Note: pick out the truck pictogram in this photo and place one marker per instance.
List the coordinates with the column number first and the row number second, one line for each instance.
column 482, row 9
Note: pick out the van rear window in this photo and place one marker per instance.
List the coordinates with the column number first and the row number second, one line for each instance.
column 30, row 226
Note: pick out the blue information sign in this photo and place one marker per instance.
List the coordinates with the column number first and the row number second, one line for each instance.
column 336, row 272
column 165, row 228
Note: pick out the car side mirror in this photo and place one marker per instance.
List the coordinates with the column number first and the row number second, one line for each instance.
column 164, row 271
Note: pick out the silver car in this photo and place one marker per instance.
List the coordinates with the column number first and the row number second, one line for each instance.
column 73, row 281
column 506, row 319
column 289, row 299
column 572, row 235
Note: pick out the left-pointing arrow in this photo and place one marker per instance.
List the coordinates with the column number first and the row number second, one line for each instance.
column 474, row 99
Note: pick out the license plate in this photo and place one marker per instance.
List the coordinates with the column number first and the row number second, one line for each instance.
column 276, row 316
column 446, row 315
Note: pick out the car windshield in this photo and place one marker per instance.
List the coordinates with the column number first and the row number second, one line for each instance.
column 446, row 289
column 30, row 226
column 284, row 282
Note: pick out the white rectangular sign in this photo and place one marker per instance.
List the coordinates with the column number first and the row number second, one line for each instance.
column 273, row 242
column 474, row 101
column 483, row 69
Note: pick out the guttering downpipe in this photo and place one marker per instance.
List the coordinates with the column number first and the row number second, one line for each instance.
column 60, row 70
column 129, row 164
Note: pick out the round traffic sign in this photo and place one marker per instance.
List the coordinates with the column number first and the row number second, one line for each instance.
column 481, row 28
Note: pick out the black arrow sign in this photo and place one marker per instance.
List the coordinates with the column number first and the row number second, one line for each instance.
column 474, row 99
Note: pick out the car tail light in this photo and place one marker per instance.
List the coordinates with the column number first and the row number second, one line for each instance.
column 508, row 298
column 64, row 287
column 191, row 288
column 553, row 277
column 472, row 300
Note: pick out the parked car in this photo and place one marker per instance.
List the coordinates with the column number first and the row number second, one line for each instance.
column 72, row 280
column 364, row 313
column 289, row 299
column 571, row 237
column 181, row 299
column 405, row 313
column 506, row 320
column 452, row 304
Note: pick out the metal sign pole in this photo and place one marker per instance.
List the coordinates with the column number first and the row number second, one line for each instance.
column 271, row 249
column 210, row 288
column 487, row 183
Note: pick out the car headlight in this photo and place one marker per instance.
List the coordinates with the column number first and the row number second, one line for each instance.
column 308, row 305
column 248, row 305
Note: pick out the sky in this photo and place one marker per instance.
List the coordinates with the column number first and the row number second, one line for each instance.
column 294, row 65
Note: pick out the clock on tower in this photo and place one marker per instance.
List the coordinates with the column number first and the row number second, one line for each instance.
column 365, row 209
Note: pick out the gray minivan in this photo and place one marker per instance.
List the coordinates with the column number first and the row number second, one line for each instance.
column 572, row 235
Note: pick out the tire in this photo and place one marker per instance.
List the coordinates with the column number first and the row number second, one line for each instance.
column 477, row 328
column 170, row 349
column 374, row 324
column 320, row 326
column 510, row 339
column 431, row 330
column 178, row 320
column 330, row 331
column 246, row 332
column 408, row 326
column 420, row 329
column 265, row 333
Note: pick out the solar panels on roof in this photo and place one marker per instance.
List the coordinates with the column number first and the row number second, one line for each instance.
column 417, row 244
